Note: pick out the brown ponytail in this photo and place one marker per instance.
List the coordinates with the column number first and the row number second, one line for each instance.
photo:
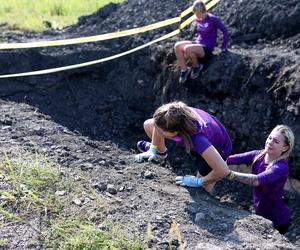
column 176, row 117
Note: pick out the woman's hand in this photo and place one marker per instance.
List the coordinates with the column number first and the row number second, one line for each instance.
column 150, row 155
column 218, row 165
column 189, row 181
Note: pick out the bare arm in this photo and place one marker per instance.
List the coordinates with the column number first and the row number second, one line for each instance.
column 250, row 179
column 156, row 138
column 218, row 165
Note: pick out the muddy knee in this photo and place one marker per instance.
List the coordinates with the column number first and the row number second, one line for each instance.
column 179, row 47
column 148, row 127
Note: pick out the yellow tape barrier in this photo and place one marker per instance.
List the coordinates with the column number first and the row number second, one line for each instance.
column 80, row 65
column 97, row 38
column 89, row 39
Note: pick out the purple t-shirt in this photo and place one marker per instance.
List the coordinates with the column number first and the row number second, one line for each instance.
column 267, row 197
column 209, row 132
column 207, row 30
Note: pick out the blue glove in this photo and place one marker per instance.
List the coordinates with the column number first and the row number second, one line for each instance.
column 149, row 155
column 189, row 181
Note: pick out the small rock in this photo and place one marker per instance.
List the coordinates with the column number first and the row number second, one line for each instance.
column 60, row 193
column 86, row 166
column 3, row 197
column 100, row 186
column 134, row 206
column 175, row 242
column 119, row 169
column 62, row 173
column 191, row 209
column 154, row 240
column 199, row 217
column 77, row 178
column 149, row 175
column 224, row 225
column 103, row 163
column 111, row 189
column 77, row 201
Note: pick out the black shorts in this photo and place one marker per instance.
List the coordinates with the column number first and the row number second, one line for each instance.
column 282, row 228
column 207, row 51
column 201, row 165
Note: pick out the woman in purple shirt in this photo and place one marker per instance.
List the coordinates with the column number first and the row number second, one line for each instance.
column 199, row 132
column 207, row 28
column 269, row 174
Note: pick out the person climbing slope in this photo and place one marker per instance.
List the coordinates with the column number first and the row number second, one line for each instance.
column 270, row 172
column 198, row 132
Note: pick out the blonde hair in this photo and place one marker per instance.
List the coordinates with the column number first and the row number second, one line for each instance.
column 289, row 140
column 199, row 6
column 177, row 117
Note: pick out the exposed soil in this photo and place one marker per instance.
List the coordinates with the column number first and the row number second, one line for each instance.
column 90, row 119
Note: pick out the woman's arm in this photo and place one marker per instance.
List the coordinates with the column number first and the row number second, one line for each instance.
column 270, row 175
column 221, row 26
column 243, row 158
column 158, row 140
column 218, row 165
column 250, row 179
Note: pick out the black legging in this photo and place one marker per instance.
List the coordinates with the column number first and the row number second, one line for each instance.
column 282, row 228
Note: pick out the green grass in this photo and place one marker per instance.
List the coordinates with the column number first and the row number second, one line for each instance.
column 3, row 243
column 29, row 196
column 36, row 15
column 28, row 190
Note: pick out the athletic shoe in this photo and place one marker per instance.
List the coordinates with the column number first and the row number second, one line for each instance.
column 184, row 75
column 144, row 146
column 196, row 71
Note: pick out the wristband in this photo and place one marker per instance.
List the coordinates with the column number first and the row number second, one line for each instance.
column 231, row 175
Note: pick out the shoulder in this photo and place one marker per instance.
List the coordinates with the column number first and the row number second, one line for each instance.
column 281, row 164
column 213, row 17
column 280, row 168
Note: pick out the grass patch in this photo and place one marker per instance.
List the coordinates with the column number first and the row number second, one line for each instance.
column 4, row 243
column 37, row 15
column 42, row 197
column 85, row 236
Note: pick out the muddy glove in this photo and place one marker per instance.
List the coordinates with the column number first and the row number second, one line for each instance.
column 189, row 181
column 148, row 155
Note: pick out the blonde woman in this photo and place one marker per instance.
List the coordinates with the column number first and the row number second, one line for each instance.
column 270, row 171
column 207, row 30
column 199, row 132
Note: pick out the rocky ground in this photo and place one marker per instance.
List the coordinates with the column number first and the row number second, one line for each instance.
column 90, row 119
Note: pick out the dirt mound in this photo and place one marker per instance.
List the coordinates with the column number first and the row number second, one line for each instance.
column 251, row 88
column 256, row 20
